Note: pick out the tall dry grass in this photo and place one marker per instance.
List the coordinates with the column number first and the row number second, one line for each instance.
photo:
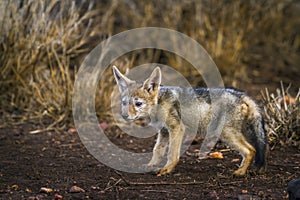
column 39, row 44
column 42, row 44
column 282, row 116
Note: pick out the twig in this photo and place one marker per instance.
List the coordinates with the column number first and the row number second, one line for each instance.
column 165, row 183
column 225, row 150
column 114, row 185
column 231, row 183
column 121, row 176
column 129, row 183
column 158, row 191
column 41, row 130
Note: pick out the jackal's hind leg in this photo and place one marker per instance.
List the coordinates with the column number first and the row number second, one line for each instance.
column 239, row 143
column 248, row 153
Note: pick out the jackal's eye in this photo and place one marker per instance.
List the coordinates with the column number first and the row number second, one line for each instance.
column 138, row 104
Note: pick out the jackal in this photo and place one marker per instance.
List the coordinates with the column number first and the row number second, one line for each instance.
column 243, row 127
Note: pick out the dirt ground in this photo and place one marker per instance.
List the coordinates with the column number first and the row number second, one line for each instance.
column 51, row 165
column 60, row 161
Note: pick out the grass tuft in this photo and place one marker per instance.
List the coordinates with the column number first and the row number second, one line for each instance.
column 282, row 115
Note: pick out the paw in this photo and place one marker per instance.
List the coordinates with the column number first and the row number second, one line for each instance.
column 151, row 168
column 154, row 161
column 239, row 172
column 151, row 164
column 148, row 167
column 261, row 170
column 165, row 171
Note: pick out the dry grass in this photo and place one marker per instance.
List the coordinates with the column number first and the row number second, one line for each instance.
column 282, row 115
column 42, row 44
column 39, row 43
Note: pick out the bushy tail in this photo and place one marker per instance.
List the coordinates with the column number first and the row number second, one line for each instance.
column 256, row 134
column 260, row 145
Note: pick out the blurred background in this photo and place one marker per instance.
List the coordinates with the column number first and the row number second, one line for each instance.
column 255, row 44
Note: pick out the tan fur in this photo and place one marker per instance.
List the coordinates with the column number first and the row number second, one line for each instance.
column 159, row 106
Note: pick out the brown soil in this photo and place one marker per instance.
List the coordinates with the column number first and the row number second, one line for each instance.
column 60, row 161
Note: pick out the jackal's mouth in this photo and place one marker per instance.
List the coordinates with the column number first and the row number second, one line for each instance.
column 142, row 122
column 130, row 119
column 139, row 120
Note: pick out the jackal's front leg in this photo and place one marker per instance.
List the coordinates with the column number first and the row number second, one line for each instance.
column 175, row 140
column 159, row 148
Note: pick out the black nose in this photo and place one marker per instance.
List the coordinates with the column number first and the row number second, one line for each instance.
column 125, row 115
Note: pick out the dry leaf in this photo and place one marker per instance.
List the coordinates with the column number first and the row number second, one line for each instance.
column 72, row 130
column 15, row 186
column 235, row 160
column 196, row 150
column 287, row 99
column 58, row 196
column 217, row 155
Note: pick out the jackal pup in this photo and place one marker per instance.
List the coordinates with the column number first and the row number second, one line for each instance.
column 243, row 128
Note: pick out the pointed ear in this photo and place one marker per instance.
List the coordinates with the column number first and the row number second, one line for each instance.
column 153, row 82
column 122, row 81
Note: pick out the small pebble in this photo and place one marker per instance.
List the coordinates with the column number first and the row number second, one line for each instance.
column 58, row 196
column 244, row 191
column 46, row 190
column 76, row 189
